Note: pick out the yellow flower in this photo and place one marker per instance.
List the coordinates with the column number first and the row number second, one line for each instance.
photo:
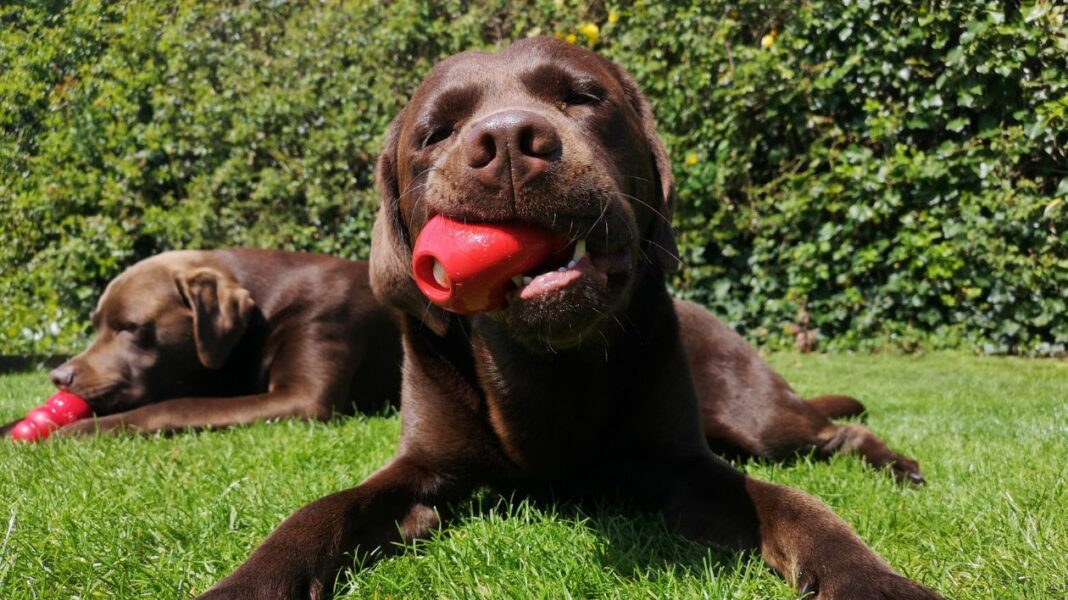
column 591, row 31
column 571, row 38
column 768, row 40
column 559, row 35
column 691, row 159
column 613, row 16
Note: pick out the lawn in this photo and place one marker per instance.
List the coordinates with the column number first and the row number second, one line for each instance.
column 166, row 517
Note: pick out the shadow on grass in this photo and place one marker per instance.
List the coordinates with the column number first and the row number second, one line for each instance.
column 637, row 543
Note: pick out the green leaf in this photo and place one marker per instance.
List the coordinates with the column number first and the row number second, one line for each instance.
column 957, row 125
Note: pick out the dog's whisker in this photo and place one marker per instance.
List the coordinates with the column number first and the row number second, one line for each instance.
column 415, row 205
column 416, row 179
column 605, row 339
column 647, row 205
column 463, row 330
column 414, row 189
column 677, row 258
column 613, row 316
column 426, row 312
column 597, row 221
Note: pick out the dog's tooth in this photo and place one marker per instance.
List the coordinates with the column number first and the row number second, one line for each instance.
column 571, row 264
column 439, row 274
column 561, row 270
column 527, row 279
column 518, row 280
column 580, row 250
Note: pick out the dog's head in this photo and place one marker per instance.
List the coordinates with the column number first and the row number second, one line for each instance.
column 545, row 133
column 161, row 327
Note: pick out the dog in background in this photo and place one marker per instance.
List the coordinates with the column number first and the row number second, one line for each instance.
column 192, row 339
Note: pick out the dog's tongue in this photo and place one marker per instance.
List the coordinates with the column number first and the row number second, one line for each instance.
column 466, row 267
column 559, row 279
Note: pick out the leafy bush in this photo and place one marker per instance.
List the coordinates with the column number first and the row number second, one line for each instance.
column 885, row 172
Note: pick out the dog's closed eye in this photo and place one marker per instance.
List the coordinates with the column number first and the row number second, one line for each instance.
column 126, row 326
column 437, row 135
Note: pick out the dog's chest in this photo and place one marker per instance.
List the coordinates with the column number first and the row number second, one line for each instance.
column 552, row 421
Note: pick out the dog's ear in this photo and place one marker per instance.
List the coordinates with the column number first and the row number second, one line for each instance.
column 221, row 312
column 660, row 235
column 391, row 249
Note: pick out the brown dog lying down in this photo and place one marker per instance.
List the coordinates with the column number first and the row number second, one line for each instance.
column 214, row 338
column 278, row 321
column 571, row 391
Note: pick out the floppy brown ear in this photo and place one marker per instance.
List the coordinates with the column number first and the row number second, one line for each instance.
column 660, row 235
column 391, row 248
column 221, row 312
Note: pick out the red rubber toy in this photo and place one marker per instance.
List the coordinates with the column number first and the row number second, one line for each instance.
column 466, row 267
column 60, row 409
column 68, row 407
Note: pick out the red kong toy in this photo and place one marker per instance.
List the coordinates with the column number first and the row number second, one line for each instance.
column 60, row 409
column 466, row 268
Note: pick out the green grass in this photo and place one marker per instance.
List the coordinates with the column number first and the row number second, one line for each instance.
column 166, row 517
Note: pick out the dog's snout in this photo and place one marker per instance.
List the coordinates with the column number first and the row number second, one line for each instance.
column 511, row 147
column 62, row 376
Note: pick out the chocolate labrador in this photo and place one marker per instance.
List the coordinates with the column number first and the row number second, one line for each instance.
column 580, row 387
column 193, row 339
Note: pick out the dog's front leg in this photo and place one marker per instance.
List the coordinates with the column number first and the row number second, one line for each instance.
column 302, row 557
column 796, row 534
column 198, row 413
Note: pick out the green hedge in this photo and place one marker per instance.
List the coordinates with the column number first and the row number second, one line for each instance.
column 887, row 172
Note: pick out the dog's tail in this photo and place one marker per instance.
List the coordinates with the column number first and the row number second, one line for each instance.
column 837, row 407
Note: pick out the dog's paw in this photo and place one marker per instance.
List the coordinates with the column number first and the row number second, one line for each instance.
column 906, row 470
column 861, row 584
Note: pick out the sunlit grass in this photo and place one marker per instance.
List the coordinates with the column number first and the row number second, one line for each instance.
column 166, row 517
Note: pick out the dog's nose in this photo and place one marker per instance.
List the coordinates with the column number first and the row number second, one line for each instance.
column 511, row 147
column 62, row 376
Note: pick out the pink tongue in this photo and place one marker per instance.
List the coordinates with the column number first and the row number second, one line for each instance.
column 548, row 282
column 555, row 280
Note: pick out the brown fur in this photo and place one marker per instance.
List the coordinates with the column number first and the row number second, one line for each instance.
column 582, row 392
column 194, row 339
column 748, row 409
